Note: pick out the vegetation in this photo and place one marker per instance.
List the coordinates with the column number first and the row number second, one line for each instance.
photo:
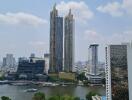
column 81, row 77
column 39, row 96
column 5, row 98
column 90, row 94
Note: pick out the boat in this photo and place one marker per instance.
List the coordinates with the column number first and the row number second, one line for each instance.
column 48, row 84
column 31, row 90
column 19, row 84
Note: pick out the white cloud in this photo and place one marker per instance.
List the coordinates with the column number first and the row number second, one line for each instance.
column 80, row 10
column 117, row 9
column 93, row 36
column 21, row 18
column 127, row 5
column 114, row 9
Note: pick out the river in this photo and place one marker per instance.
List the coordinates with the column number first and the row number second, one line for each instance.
column 18, row 92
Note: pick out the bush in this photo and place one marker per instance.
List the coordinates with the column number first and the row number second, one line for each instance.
column 39, row 96
column 5, row 98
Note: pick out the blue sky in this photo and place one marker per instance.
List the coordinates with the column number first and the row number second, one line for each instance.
column 24, row 25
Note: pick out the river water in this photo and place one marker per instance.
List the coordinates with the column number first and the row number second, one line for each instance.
column 18, row 92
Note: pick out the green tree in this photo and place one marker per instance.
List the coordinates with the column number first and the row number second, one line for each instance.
column 81, row 76
column 90, row 94
column 76, row 98
column 39, row 96
column 5, row 98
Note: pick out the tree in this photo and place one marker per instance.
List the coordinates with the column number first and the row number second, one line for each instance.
column 39, row 96
column 76, row 98
column 81, row 77
column 5, row 98
column 90, row 94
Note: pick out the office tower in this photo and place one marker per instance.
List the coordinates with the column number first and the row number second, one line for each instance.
column 69, row 42
column 30, row 68
column 93, row 59
column 46, row 58
column 116, row 72
column 56, row 41
column 9, row 61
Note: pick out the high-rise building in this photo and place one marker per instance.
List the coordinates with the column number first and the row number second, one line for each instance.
column 116, row 72
column 69, row 42
column 129, row 57
column 93, row 59
column 56, row 41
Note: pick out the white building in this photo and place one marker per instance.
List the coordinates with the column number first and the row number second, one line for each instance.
column 46, row 58
column 129, row 57
column 9, row 63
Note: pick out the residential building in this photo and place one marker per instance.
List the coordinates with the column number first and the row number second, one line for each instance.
column 69, row 42
column 56, row 41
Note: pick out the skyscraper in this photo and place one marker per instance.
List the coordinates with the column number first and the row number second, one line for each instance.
column 93, row 59
column 69, row 42
column 117, row 72
column 56, row 41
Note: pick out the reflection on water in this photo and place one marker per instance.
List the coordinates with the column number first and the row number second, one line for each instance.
column 18, row 92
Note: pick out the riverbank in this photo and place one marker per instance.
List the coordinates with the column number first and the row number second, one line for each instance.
column 18, row 92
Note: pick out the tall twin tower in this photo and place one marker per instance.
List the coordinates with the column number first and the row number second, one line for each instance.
column 56, row 42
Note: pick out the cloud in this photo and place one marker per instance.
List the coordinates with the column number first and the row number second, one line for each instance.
column 21, row 18
column 117, row 9
column 80, row 10
column 114, row 9
column 127, row 5
column 91, row 37
column 115, row 38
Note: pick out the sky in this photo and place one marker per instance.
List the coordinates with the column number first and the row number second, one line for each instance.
column 24, row 25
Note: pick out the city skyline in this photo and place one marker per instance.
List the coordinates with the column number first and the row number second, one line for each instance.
column 25, row 25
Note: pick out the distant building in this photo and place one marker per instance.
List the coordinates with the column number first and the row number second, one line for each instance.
column 56, row 42
column 117, row 72
column 69, row 42
column 93, row 59
column 29, row 68
column 46, row 58
column 9, row 61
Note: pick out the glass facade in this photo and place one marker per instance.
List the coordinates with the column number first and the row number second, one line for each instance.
column 59, row 44
column 56, row 42
column 119, row 72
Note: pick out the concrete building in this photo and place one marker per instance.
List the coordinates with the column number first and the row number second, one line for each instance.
column 116, row 72
column 9, row 61
column 93, row 59
column 56, row 41
column 46, row 58
column 69, row 42
column 129, row 57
